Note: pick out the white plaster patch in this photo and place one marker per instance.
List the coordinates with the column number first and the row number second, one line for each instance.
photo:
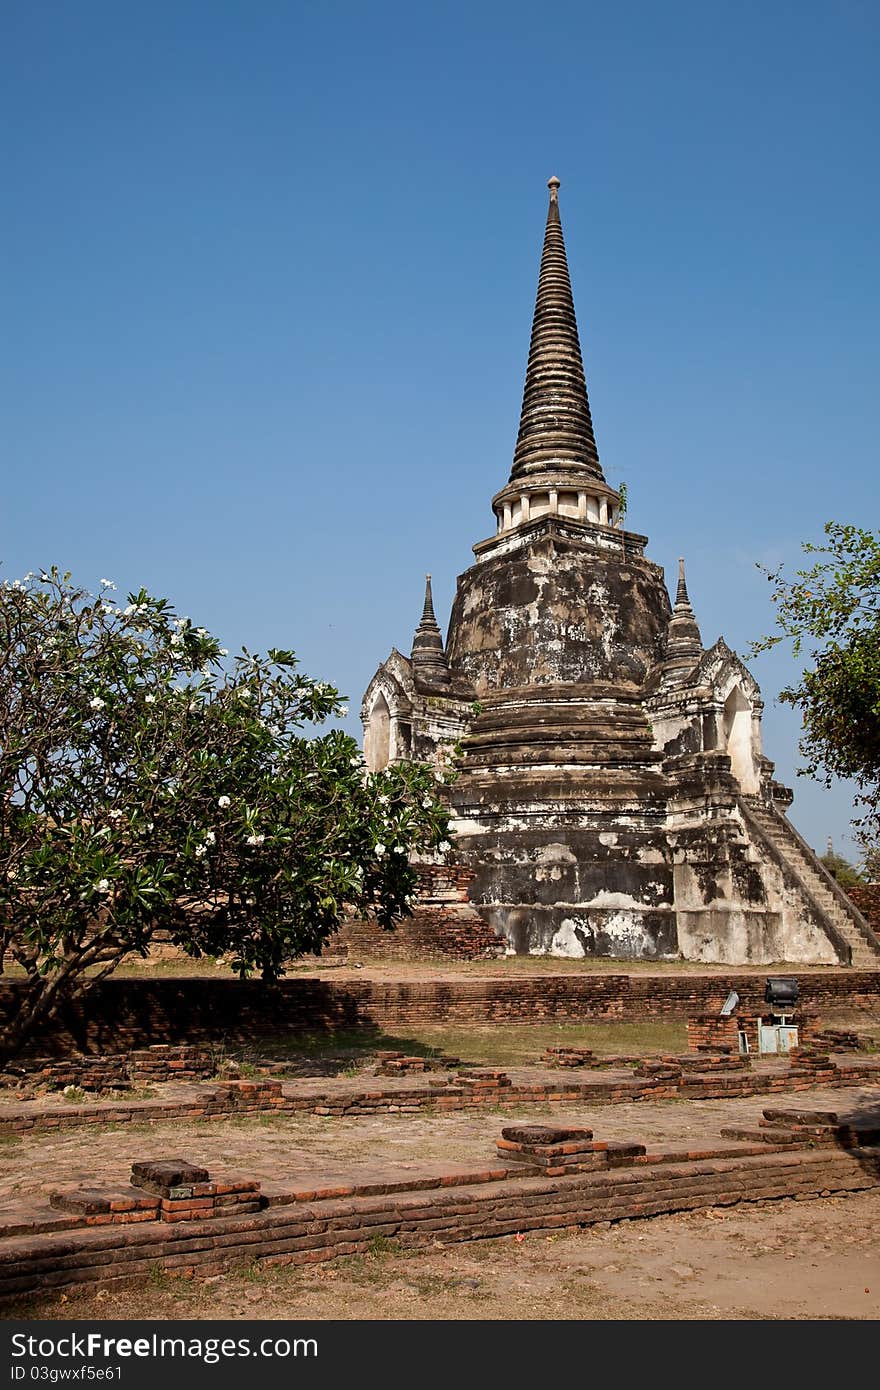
column 648, row 855
column 621, row 928
column 565, row 941
column 555, row 854
column 605, row 899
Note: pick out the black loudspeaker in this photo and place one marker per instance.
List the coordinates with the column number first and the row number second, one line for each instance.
column 781, row 991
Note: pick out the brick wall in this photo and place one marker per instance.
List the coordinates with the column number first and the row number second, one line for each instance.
column 444, row 924
column 120, row 1015
column 866, row 897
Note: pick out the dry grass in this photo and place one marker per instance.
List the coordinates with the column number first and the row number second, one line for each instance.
column 491, row 1044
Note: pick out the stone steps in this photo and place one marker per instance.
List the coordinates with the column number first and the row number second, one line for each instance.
column 865, row 955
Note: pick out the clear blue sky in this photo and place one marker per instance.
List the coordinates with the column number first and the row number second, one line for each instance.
column 268, row 272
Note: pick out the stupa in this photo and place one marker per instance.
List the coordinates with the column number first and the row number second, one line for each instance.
column 612, row 796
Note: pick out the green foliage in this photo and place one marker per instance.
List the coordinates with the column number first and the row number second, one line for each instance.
column 621, row 505
column 151, row 783
column 846, row 874
column 831, row 613
column 871, row 863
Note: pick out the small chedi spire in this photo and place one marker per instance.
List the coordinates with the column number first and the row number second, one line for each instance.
column 555, row 428
column 684, row 645
column 428, row 619
column 428, row 656
column 681, row 593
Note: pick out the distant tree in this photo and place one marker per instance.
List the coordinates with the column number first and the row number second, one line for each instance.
column 871, row 864
column 831, row 613
column 846, row 874
column 145, row 783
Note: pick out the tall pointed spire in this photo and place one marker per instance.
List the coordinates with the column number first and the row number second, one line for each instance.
column 684, row 645
column 428, row 656
column 555, row 428
column 681, row 594
column 428, row 619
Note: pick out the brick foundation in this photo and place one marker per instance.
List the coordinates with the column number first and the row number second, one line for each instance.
column 545, row 1179
column 691, row 1077
column 119, row 1072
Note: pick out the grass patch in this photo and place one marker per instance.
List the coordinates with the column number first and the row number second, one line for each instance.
column 497, row 1044
column 522, row 1044
column 347, row 1051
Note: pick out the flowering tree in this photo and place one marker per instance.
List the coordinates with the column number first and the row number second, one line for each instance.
column 834, row 606
column 147, row 783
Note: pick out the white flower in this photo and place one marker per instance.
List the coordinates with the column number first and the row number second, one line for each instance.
column 223, row 801
column 176, row 639
column 427, row 803
column 201, row 632
column 444, row 846
column 343, row 711
column 96, row 702
column 150, row 824
column 149, row 699
column 108, row 609
column 201, row 851
column 115, row 815
column 103, row 885
column 210, row 838
column 356, row 762
column 438, row 775
column 383, row 800
column 181, row 622
column 399, row 849
column 224, row 651
column 127, row 612
column 254, row 840
column 380, row 851
column 107, row 584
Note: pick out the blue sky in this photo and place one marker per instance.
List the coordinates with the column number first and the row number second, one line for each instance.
column 268, row 272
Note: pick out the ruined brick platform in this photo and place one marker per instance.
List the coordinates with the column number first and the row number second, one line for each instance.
column 691, row 1076
column 176, row 1216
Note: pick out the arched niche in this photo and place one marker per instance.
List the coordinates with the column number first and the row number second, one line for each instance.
column 377, row 735
column 737, row 727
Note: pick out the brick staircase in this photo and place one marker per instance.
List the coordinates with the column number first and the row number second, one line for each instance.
column 843, row 921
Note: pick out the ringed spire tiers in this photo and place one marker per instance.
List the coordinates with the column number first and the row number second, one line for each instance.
column 684, row 645
column 428, row 656
column 556, row 465
column 555, row 428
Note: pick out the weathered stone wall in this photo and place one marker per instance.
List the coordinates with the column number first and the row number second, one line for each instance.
column 557, row 609
column 120, row 1015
